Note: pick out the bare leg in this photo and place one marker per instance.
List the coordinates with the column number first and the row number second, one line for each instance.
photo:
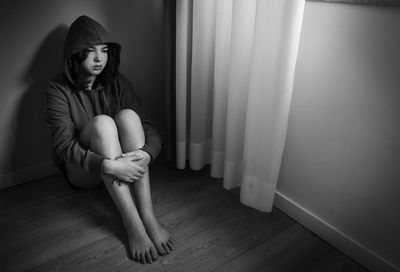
column 101, row 136
column 132, row 138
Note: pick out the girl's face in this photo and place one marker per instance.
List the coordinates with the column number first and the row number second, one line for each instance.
column 96, row 60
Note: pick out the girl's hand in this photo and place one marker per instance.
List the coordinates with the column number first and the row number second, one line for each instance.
column 142, row 158
column 125, row 168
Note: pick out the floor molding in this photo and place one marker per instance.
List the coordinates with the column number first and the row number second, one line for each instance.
column 334, row 236
column 27, row 174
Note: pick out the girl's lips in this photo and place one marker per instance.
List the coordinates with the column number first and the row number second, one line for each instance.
column 97, row 67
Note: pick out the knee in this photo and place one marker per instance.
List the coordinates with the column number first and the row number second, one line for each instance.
column 103, row 125
column 127, row 116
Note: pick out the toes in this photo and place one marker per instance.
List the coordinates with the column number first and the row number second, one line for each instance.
column 148, row 257
column 142, row 257
column 153, row 253
column 135, row 256
column 166, row 248
column 161, row 250
column 170, row 245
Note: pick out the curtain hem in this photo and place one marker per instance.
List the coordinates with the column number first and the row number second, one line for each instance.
column 257, row 193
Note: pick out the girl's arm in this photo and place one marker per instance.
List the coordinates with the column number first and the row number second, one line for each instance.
column 130, row 100
column 64, row 134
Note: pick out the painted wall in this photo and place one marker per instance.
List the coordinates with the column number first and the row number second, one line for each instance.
column 32, row 37
column 342, row 158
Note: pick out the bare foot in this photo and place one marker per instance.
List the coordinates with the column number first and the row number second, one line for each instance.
column 161, row 238
column 141, row 247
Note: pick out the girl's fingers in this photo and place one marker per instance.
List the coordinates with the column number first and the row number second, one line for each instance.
column 133, row 157
column 127, row 154
column 137, row 177
column 129, row 180
column 141, row 170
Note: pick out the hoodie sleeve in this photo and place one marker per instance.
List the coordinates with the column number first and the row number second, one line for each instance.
column 64, row 133
column 130, row 100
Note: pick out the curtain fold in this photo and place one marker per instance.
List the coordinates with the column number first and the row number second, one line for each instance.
column 243, row 19
column 183, row 45
column 223, row 27
column 235, row 68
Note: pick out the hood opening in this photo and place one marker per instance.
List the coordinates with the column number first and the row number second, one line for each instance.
column 83, row 33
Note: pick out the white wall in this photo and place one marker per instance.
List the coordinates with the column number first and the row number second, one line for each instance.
column 342, row 158
column 31, row 50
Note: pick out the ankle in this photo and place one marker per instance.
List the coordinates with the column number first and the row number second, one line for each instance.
column 148, row 218
column 132, row 223
column 147, row 213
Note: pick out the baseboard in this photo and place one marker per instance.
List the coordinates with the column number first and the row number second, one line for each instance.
column 360, row 253
column 27, row 174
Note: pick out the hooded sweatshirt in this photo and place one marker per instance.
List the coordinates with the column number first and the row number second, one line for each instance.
column 70, row 107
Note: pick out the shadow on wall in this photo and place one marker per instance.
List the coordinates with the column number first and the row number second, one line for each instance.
column 139, row 26
column 32, row 138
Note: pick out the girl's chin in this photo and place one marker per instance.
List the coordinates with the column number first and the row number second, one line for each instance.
column 96, row 72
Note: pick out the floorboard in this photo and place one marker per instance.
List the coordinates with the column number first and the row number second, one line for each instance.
column 47, row 226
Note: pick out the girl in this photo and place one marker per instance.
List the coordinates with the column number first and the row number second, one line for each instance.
column 100, row 134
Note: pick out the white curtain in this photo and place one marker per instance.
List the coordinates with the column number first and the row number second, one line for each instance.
column 235, row 62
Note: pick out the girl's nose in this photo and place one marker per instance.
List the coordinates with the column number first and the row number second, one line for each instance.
column 97, row 57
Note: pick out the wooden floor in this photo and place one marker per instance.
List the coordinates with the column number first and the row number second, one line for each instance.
column 46, row 226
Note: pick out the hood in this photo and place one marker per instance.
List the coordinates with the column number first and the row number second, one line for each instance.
column 83, row 33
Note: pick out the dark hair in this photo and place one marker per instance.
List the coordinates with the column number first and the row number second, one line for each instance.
column 106, row 76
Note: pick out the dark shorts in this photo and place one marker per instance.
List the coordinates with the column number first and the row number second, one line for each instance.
column 79, row 178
